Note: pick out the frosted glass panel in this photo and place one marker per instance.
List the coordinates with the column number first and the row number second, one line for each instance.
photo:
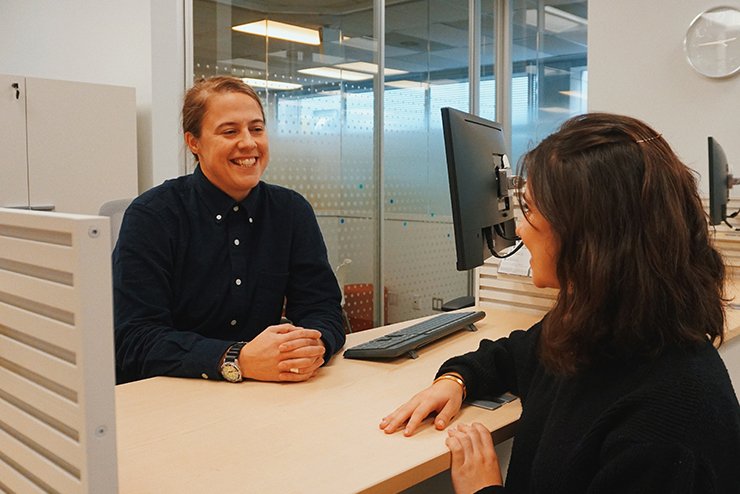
column 549, row 68
column 322, row 147
column 419, row 268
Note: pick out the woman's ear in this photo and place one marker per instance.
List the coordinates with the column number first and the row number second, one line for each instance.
column 192, row 142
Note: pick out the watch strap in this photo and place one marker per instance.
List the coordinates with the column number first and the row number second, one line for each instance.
column 232, row 354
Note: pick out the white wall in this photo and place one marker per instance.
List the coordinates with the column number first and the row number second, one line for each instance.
column 136, row 43
column 637, row 66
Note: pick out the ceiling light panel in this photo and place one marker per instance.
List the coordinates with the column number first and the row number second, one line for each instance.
column 268, row 84
column 335, row 73
column 280, row 30
column 370, row 68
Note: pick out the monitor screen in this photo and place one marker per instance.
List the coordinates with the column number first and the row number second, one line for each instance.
column 720, row 182
column 479, row 175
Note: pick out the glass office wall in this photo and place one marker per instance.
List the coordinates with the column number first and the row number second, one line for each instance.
column 549, row 68
column 426, row 48
column 321, row 100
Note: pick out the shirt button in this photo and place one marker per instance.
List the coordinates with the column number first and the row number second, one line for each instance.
column 236, row 241
column 251, row 220
column 233, row 322
column 235, row 208
column 218, row 217
column 204, row 375
column 238, row 282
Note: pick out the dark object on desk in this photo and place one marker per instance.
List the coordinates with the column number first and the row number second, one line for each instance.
column 458, row 303
column 409, row 339
column 493, row 403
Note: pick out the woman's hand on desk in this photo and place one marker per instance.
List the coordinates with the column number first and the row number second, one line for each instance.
column 443, row 397
column 283, row 353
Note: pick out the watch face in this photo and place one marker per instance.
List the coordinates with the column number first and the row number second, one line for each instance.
column 230, row 371
column 712, row 42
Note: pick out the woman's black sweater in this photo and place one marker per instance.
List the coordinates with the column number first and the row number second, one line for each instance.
column 666, row 425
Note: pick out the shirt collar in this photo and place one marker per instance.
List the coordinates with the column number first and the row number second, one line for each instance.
column 219, row 203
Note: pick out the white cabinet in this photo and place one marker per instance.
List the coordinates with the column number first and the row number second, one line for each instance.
column 66, row 146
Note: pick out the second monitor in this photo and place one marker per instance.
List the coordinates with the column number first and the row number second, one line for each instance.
column 480, row 181
column 721, row 181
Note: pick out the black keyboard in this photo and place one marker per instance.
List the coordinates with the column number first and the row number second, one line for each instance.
column 409, row 339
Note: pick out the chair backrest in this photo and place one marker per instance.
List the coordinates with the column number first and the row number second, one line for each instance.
column 114, row 210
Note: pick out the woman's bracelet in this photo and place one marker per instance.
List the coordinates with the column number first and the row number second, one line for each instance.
column 457, row 379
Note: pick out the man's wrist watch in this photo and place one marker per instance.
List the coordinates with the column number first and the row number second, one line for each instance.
column 230, row 369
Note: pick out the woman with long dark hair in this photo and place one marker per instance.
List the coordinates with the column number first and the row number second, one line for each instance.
column 621, row 385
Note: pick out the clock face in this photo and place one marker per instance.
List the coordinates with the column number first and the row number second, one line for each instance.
column 712, row 42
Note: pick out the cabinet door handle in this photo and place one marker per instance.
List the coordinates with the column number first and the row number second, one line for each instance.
column 34, row 207
column 16, row 86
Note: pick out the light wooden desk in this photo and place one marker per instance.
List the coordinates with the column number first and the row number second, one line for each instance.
column 195, row 436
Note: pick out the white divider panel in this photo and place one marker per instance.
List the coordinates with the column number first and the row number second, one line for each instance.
column 728, row 243
column 727, row 240
column 57, row 373
column 494, row 289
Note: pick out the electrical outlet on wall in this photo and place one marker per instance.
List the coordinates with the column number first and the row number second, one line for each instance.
column 436, row 303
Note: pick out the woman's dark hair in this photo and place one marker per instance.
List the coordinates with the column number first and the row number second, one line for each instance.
column 636, row 267
column 195, row 103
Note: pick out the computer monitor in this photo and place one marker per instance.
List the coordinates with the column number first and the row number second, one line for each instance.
column 480, row 181
column 720, row 183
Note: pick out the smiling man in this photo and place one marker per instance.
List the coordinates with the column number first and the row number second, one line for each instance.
column 206, row 264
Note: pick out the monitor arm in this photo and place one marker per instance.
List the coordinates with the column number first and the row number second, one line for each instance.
column 505, row 180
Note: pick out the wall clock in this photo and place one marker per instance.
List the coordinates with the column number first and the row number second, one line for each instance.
column 712, row 42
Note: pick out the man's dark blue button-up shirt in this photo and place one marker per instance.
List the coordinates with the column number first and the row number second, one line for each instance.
column 194, row 271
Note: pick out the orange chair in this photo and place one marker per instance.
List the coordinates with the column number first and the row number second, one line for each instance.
column 358, row 304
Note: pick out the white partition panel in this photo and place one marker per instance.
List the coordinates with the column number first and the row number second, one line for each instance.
column 57, row 373
column 494, row 289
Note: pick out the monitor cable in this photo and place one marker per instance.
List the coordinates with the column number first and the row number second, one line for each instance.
column 733, row 215
column 500, row 233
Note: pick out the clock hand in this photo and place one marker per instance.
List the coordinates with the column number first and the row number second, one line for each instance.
column 722, row 42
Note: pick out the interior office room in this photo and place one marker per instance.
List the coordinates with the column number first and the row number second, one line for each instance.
column 364, row 146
